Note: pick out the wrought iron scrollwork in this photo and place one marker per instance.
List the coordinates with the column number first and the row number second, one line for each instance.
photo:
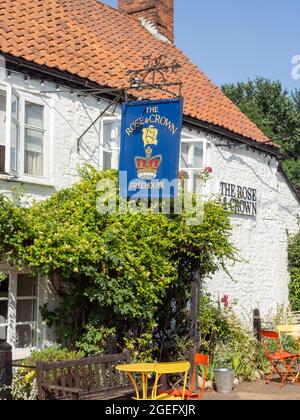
column 154, row 75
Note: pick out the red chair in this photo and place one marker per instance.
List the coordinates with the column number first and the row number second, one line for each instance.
column 199, row 360
column 280, row 358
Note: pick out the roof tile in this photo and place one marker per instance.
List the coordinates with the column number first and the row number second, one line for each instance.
column 95, row 41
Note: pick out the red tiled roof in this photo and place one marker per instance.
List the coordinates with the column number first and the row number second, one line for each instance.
column 99, row 43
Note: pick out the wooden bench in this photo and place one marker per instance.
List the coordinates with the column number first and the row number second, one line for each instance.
column 92, row 378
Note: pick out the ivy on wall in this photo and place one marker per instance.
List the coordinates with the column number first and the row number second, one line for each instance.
column 122, row 275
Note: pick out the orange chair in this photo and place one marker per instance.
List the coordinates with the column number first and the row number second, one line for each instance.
column 280, row 358
column 199, row 360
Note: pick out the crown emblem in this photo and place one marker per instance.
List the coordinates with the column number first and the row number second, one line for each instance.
column 148, row 167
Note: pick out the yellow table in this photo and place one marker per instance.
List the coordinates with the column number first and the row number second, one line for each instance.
column 139, row 368
column 144, row 369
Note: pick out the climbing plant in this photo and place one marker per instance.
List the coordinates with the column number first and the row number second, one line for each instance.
column 124, row 275
column 294, row 267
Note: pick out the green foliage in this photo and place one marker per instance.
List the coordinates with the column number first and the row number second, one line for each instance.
column 24, row 386
column 119, row 271
column 228, row 342
column 54, row 353
column 294, row 268
column 276, row 113
column 94, row 339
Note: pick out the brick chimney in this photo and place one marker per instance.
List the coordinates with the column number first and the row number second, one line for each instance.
column 158, row 12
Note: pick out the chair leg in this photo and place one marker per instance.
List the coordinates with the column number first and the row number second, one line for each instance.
column 274, row 369
column 289, row 371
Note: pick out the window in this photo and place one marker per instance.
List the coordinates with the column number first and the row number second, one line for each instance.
column 34, row 140
column 193, row 160
column 27, row 310
column 2, row 130
column 15, row 130
column 3, row 306
column 22, row 134
column 110, row 144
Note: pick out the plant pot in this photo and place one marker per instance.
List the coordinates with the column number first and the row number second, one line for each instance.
column 224, row 379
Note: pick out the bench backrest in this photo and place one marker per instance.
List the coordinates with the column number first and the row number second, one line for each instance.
column 90, row 374
column 296, row 317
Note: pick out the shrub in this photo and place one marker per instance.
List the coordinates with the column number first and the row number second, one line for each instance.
column 126, row 271
column 94, row 339
column 228, row 342
column 294, row 268
column 24, row 385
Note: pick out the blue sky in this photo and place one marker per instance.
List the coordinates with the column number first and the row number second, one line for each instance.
column 233, row 40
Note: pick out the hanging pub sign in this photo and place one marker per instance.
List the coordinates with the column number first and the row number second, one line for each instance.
column 150, row 148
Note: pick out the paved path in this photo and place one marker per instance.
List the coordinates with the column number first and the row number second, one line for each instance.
column 258, row 391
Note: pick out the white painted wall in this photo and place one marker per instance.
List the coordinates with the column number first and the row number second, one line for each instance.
column 260, row 279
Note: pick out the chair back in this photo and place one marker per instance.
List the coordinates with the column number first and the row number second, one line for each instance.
column 270, row 336
column 199, row 360
column 170, row 369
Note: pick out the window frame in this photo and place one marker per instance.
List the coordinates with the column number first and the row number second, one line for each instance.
column 4, row 299
column 16, row 171
column 191, row 139
column 24, row 97
column 115, row 151
column 30, row 323
column 37, row 129
column 12, row 312
column 3, row 88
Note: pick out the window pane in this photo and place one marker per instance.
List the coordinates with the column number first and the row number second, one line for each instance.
column 184, row 155
column 198, row 156
column 34, row 115
column 26, row 336
column 15, row 107
column 27, row 286
column 107, row 134
column 26, row 310
column 3, row 311
column 3, row 333
column 34, row 158
column 2, row 159
column 2, row 117
column 4, row 288
column 14, row 146
column 107, row 160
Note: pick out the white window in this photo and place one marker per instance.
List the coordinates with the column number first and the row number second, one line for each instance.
column 22, row 134
column 3, row 306
column 26, row 313
column 19, row 314
column 15, row 133
column 34, row 139
column 2, row 130
column 193, row 160
column 110, row 144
